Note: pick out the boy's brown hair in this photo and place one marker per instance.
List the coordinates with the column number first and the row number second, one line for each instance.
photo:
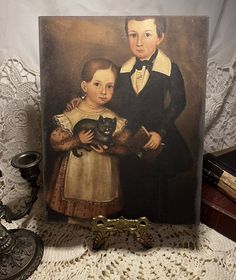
column 160, row 22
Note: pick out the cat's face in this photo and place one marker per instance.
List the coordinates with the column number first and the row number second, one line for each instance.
column 106, row 125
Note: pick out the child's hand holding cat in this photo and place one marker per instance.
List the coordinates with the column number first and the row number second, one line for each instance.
column 100, row 149
column 86, row 137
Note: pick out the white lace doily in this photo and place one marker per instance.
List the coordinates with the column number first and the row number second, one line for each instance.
column 179, row 252
column 220, row 116
column 20, row 128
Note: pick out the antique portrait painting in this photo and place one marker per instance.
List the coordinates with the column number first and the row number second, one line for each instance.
column 123, row 116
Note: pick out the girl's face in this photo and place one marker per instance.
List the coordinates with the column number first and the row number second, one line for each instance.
column 100, row 89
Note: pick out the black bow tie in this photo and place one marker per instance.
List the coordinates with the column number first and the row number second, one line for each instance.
column 140, row 63
column 147, row 63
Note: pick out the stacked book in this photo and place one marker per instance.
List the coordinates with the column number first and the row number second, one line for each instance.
column 220, row 169
column 218, row 211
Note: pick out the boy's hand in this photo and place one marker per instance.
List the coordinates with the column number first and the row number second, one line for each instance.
column 100, row 149
column 74, row 103
column 154, row 141
column 86, row 137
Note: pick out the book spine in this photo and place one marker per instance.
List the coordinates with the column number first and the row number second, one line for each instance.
column 226, row 183
column 212, row 167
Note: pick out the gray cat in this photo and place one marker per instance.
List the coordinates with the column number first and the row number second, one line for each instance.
column 102, row 129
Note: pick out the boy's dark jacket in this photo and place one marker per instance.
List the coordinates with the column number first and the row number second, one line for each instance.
column 156, row 107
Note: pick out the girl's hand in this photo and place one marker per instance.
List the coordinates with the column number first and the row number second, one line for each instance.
column 154, row 141
column 74, row 103
column 86, row 137
column 100, row 149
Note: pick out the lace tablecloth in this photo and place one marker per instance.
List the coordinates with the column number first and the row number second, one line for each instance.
column 179, row 252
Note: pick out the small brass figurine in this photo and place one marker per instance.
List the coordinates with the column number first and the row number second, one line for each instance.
column 20, row 250
column 104, row 227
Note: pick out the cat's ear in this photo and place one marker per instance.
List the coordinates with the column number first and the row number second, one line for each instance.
column 101, row 118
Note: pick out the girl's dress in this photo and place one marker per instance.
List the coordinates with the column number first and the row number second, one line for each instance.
column 86, row 186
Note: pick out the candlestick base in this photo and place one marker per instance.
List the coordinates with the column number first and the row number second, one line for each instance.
column 20, row 254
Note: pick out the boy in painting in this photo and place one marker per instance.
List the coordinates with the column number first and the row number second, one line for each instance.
column 150, row 92
column 86, row 186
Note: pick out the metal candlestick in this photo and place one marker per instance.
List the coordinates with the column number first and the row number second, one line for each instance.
column 21, row 250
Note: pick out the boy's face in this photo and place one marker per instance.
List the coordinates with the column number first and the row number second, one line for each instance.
column 143, row 38
column 100, row 89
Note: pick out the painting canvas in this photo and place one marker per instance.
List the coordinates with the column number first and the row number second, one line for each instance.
column 122, row 116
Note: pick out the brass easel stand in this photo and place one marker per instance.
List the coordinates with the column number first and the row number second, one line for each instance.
column 104, row 228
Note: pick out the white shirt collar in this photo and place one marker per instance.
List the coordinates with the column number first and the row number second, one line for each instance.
column 162, row 64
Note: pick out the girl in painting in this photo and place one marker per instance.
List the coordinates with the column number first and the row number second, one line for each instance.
column 87, row 186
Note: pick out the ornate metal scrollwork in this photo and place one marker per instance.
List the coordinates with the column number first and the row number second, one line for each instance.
column 104, row 228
